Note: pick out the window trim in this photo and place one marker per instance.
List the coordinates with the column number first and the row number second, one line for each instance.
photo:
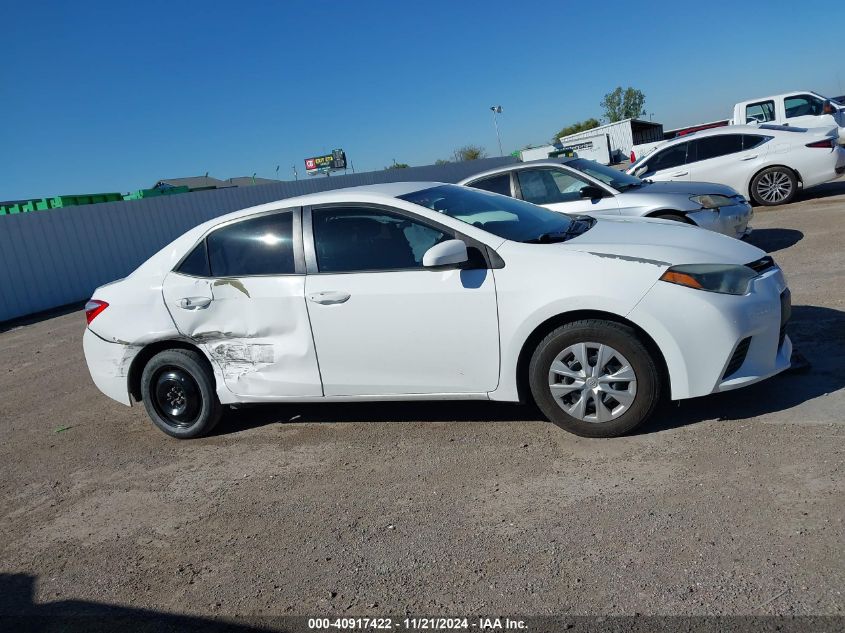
column 570, row 171
column 296, row 234
column 491, row 260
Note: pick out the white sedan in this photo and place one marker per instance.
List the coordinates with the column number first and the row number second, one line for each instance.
column 766, row 162
column 420, row 291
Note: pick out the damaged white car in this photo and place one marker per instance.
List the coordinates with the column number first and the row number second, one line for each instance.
column 420, row 291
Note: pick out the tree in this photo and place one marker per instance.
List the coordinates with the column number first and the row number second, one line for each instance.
column 623, row 104
column 581, row 126
column 396, row 165
column 470, row 152
column 441, row 161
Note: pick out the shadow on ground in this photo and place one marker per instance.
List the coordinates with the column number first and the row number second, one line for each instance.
column 771, row 240
column 817, row 333
column 20, row 612
column 827, row 190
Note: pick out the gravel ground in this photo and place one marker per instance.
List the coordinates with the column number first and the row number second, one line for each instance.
column 727, row 505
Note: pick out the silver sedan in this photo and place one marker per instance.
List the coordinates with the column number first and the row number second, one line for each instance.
column 582, row 186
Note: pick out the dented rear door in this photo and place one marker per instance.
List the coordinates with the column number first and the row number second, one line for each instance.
column 240, row 294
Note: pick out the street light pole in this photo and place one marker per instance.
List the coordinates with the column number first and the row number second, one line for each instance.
column 497, row 109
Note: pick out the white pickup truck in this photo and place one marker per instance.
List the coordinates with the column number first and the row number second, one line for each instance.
column 798, row 109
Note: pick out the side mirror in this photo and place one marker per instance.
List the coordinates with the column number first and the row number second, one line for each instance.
column 448, row 254
column 639, row 171
column 591, row 192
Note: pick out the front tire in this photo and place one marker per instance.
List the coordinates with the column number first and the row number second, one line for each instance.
column 774, row 186
column 177, row 387
column 595, row 378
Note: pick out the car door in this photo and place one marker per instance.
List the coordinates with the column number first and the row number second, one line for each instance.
column 666, row 164
column 240, row 294
column 559, row 189
column 721, row 158
column 385, row 325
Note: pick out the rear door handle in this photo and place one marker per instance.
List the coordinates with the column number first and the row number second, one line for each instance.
column 749, row 157
column 329, row 297
column 681, row 173
column 194, row 303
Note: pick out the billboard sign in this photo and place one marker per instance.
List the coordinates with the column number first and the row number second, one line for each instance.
column 327, row 162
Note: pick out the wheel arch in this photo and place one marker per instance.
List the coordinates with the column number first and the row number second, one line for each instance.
column 682, row 214
column 540, row 332
column 136, row 368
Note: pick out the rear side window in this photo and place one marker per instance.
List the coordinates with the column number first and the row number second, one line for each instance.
column 495, row 184
column 260, row 246
column 719, row 145
column 196, row 263
column 669, row 158
column 750, row 141
column 761, row 112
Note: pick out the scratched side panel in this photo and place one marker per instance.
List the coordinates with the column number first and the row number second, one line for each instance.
column 255, row 329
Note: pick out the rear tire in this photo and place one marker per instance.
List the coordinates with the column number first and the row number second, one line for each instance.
column 774, row 186
column 177, row 387
column 605, row 380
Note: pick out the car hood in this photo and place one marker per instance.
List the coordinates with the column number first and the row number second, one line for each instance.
column 661, row 242
column 681, row 187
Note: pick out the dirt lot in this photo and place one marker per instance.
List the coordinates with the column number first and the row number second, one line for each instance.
column 732, row 504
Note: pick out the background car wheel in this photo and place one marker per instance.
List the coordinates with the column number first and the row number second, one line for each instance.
column 773, row 186
column 677, row 217
column 595, row 378
column 177, row 387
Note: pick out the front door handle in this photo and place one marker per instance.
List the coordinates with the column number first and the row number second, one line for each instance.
column 681, row 173
column 194, row 303
column 749, row 157
column 329, row 297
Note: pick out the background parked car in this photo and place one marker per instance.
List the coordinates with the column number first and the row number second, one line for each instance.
column 579, row 185
column 769, row 163
column 801, row 109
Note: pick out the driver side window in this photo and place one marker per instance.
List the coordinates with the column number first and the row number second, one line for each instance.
column 353, row 239
column 549, row 186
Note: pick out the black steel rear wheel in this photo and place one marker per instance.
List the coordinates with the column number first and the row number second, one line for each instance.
column 177, row 387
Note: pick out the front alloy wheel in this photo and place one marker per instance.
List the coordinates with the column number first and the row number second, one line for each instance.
column 773, row 186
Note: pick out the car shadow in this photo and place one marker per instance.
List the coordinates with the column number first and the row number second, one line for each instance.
column 20, row 612
column 772, row 240
column 827, row 190
column 817, row 333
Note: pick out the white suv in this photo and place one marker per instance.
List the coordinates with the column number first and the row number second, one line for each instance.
column 769, row 163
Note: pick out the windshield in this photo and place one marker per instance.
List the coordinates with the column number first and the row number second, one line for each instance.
column 500, row 215
column 619, row 180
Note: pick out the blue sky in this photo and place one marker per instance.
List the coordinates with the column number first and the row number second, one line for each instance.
column 112, row 96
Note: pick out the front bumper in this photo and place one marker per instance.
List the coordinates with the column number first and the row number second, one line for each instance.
column 715, row 342
column 731, row 220
column 108, row 364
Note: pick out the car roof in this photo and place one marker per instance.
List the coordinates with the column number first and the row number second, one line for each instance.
column 545, row 162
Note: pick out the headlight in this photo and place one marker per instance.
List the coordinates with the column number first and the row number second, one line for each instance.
column 725, row 278
column 712, row 201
